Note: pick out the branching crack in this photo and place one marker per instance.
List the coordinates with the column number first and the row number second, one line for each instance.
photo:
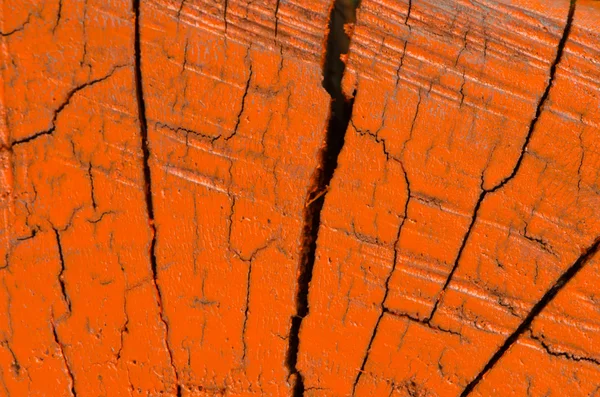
column 532, row 125
column 139, row 87
column 338, row 43
column 548, row 297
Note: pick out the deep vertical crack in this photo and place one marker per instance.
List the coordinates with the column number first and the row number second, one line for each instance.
column 562, row 281
column 338, row 43
column 139, row 88
column 532, row 125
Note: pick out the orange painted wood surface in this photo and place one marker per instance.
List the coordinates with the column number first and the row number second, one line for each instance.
column 175, row 219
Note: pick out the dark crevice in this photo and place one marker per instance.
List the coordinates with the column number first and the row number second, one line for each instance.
column 15, row 365
column 277, row 17
column 33, row 137
column 562, row 281
column 458, row 256
column 125, row 327
column 414, row 121
column 63, row 105
column 554, row 352
column 243, row 105
column 92, row 187
column 408, row 11
column 58, row 16
column 67, row 366
column 246, row 313
column 532, row 125
column 61, row 274
column 180, row 9
column 139, row 88
column 338, row 43
column 387, row 283
column 225, row 6
column 420, row 321
column 542, row 102
column 18, row 28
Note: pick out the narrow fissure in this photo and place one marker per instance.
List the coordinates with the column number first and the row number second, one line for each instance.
column 67, row 366
column 61, row 274
column 139, row 88
column 387, row 283
column 532, row 125
column 338, row 43
column 562, row 281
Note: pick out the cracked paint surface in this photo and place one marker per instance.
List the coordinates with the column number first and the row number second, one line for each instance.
column 467, row 219
column 175, row 220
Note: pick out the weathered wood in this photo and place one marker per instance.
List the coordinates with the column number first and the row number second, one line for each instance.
column 467, row 186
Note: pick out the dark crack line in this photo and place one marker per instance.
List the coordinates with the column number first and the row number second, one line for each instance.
column 181, row 5
column 569, row 356
column 92, row 187
column 63, row 105
column 139, row 88
column 387, row 284
column 225, row 6
column 484, row 192
column 339, row 118
column 542, row 102
column 246, row 313
column 277, row 17
column 418, row 320
column 241, row 112
column 186, row 131
column 15, row 365
column 18, row 28
column 67, row 366
column 563, row 280
column 458, row 256
column 61, row 274
column 58, row 16
column 408, row 11
column 125, row 327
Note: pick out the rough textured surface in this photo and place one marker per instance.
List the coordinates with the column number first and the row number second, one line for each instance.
column 170, row 225
column 236, row 118
column 153, row 216
column 467, row 185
